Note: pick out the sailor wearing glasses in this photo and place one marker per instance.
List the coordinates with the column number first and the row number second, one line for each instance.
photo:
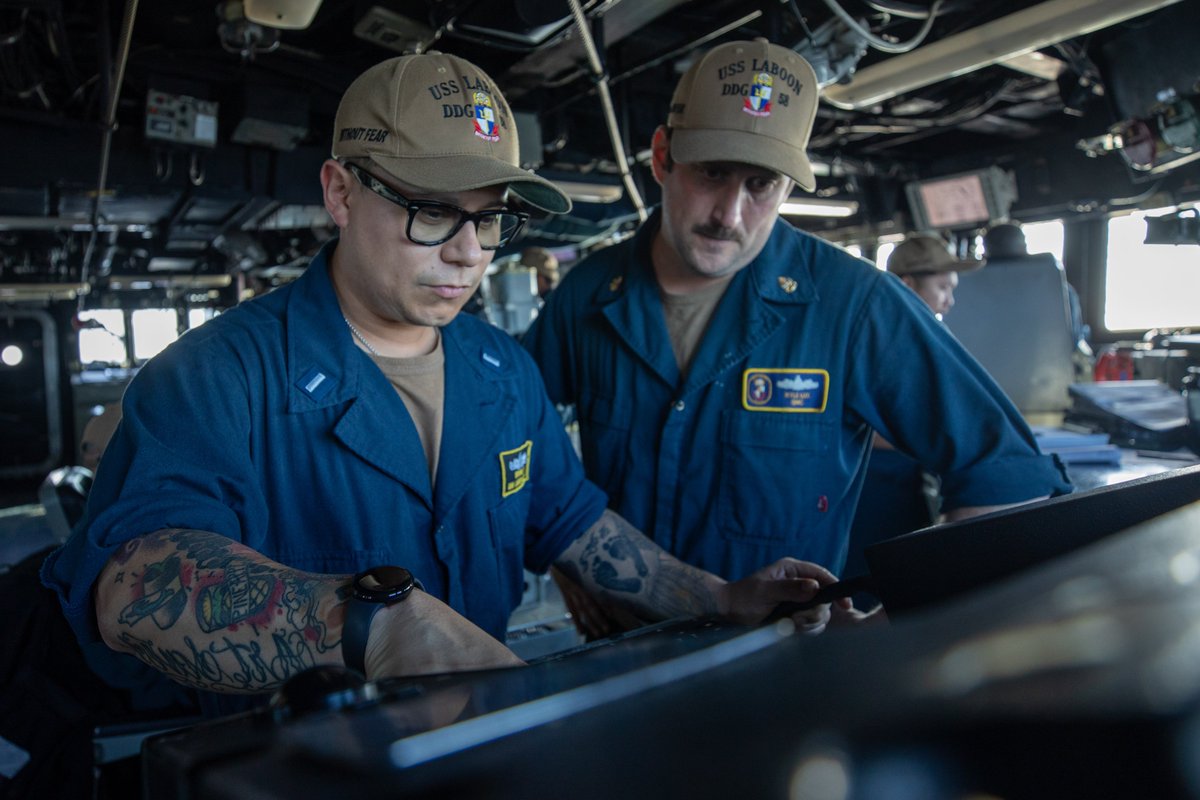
column 347, row 470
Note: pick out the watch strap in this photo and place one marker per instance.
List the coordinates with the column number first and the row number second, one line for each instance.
column 355, row 632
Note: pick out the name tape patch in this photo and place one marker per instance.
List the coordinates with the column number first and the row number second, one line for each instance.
column 800, row 391
column 514, row 468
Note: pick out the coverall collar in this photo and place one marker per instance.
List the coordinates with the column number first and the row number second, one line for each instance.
column 631, row 302
column 325, row 368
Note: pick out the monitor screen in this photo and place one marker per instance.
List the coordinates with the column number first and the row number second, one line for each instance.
column 956, row 201
column 961, row 201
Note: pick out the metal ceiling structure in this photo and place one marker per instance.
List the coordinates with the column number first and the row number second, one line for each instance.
column 183, row 138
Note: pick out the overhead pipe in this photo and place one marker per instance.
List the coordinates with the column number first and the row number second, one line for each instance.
column 606, row 105
column 110, row 124
column 884, row 45
column 671, row 55
column 1018, row 33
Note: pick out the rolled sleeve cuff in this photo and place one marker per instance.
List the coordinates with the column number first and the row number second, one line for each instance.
column 579, row 514
column 1015, row 479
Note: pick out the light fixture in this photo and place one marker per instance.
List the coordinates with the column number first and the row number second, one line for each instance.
column 816, row 207
column 999, row 40
column 138, row 282
column 42, row 291
column 292, row 15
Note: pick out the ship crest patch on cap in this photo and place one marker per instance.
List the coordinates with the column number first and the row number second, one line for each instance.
column 758, row 102
column 485, row 117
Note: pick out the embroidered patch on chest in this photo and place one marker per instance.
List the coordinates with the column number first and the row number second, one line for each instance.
column 514, row 469
column 785, row 390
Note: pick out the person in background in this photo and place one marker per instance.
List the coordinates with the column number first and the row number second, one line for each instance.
column 924, row 264
column 729, row 370
column 899, row 495
column 347, row 471
column 545, row 264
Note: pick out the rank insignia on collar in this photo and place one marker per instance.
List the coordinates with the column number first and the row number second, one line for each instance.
column 615, row 283
column 514, row 468
column 315, row 384
column 787, row 284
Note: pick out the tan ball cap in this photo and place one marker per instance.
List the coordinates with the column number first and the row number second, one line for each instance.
column 922, row 253
column 747, row 102
column 436, row 122
column 541, row 260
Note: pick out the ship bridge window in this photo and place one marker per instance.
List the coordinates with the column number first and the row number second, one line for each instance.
column 153, row 330
column 1149, row 285
column 884, row 248
column 102, row 337
column 1045, row 237
column 198, row 316
column 882, row 252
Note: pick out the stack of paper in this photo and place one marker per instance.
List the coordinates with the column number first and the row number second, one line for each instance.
column 1077, row 448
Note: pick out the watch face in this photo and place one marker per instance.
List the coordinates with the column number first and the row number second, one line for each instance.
column 383, row 584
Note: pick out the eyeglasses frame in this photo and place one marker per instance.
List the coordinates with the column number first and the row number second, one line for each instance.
column 381, row 189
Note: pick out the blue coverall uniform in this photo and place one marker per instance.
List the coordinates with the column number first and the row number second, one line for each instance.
column 269, row 426
column 759, row 451
column 893, row 502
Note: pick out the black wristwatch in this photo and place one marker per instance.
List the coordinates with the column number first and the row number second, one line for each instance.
column 373, row 589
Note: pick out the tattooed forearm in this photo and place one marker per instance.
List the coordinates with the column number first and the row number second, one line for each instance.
column 225, row 665
column 617, row 561
column 213, row 614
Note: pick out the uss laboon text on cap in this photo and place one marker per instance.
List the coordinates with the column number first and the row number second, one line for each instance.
column 437, row 122
column 747, row 102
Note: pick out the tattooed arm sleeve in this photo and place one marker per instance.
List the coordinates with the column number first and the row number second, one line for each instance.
column 615, row 560
column 216, row 615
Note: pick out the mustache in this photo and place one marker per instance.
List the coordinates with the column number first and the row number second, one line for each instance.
column 713, row 231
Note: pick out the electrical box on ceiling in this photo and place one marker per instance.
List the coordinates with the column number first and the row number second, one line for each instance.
column 526, row 22
column 272, row 117
column 393, row 31
column 181, row 119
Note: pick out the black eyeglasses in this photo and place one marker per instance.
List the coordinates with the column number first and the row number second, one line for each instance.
column 431, row 223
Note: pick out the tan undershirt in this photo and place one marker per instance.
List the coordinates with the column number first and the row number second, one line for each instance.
column 687, row 319
column 421, row 383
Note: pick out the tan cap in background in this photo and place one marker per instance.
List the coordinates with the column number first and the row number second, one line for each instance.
column 747, row 102
column 436, row 122
column 541, row 260
column 921, row 253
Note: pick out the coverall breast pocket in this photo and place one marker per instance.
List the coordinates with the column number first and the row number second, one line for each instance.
column 605, row 425
column 770, row 464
